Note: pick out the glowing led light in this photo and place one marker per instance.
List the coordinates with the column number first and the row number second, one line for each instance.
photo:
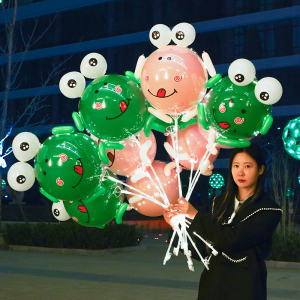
column 216, row 181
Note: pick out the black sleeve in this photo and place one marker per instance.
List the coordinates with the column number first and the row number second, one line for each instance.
column 253, row 231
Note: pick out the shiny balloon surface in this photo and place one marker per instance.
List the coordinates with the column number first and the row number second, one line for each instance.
column 173, row 79
column 234, row 111
column 112, row 107
column 170, row 185
column 192, row 142
column 68, row 166
column 99, row 211
column 126, row 161
column 291, row 138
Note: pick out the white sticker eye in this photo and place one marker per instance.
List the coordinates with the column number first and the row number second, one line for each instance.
column 183, row 34
column 160, row 35
column 72, row 85
column 93, row 65
column 59, row 212
column 25, row 146
column 268, row 90
column 21, row 176
column 241, row 72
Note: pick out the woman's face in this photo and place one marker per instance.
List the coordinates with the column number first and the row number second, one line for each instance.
column 245, row 171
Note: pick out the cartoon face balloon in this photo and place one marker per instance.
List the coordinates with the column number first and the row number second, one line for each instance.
column 68, row 166
column 95, row 213
column 239, row 106
column 173, row 77
column 111, row 107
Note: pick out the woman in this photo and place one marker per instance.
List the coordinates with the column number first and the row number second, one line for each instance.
column 240, row 227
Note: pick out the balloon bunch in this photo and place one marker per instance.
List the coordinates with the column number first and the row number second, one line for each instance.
column 168, row 93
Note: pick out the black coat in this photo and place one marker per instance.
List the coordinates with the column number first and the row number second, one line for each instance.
column 239, row 270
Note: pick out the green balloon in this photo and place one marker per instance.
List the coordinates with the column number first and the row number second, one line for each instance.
column 67, row 166
column 291, row 138
column 112, row 107
column 235, row 112
column 98, row 211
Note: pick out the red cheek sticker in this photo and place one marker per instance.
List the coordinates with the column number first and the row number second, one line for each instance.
column 98, row 105
column 118, row 89
column 147, row 78
column 222, row 107
column 177, row 78
column 59, row 182
column 63, row 157
column 239, row 121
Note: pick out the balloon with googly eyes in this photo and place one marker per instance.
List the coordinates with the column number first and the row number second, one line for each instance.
column 238, row 106
column 173, row 77
column 111, row 107
column 93, row 213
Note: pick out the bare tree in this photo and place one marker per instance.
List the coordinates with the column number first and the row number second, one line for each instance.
column 9, row 45
column 282, row 185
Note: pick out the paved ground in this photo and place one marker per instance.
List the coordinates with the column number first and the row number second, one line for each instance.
column 134, row 276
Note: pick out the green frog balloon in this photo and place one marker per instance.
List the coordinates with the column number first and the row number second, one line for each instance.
column 94, row 213
column 67, row 167
column 111, row 108
column 238, row 106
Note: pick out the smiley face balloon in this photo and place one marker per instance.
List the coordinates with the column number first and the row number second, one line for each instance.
column 238, row 107
column 173, row 77
column 111, row 107
column 95, row 213
column 68, row 166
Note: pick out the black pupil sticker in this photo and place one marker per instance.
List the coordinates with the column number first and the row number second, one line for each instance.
column 24, row 146
column 179, row 35
column 264, row 96
column 239, row 77
column 72, row 83
column 93, row 62
column 56, row 212
column 21, row 179
column 155, row 35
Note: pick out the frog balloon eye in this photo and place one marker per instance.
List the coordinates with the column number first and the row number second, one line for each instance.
column 25, row 146
column 21, row 176
column 93, row 65
column 183, row 34
column 241, row 72
column 268, row 90
column 160, row 35
column 59, row 211
column 72, row 85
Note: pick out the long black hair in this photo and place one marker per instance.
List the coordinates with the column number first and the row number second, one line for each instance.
column 226, row 208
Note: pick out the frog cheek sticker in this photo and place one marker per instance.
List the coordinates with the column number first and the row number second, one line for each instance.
column 239, row 121
column 222, row 107
column 118, row 89
column 59, row 182
column 63, row 157
column 177, row 78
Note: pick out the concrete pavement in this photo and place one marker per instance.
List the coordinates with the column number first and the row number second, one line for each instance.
column 136, row 275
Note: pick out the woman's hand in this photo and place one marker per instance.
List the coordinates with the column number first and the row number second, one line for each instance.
column 183, row 207
column 168, row 215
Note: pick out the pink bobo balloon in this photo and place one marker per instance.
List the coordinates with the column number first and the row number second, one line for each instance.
column 173, row 79
column 192, row 142
column 145, row 185
column 125, row 162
